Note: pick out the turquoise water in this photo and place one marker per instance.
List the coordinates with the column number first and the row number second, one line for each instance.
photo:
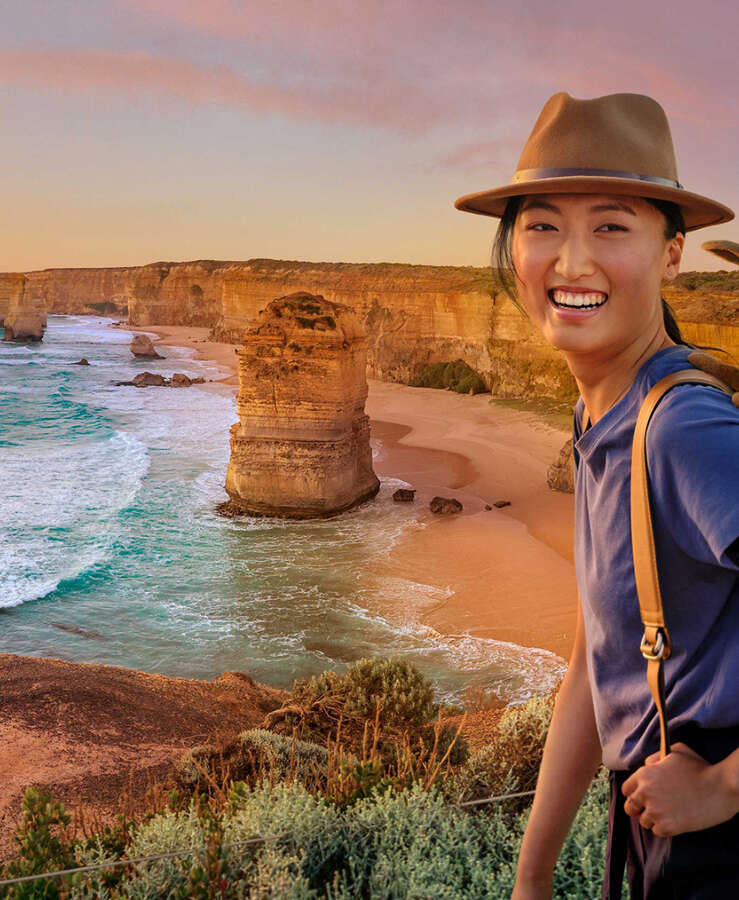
column 110, row 551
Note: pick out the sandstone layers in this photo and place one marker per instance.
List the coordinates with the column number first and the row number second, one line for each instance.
column 21, row 309
column 301, row 446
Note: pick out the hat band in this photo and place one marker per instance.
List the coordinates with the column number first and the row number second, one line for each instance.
column 537, row 174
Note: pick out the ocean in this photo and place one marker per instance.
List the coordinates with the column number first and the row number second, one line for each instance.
column 111, row 552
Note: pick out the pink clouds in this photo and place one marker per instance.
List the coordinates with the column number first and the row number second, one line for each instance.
column 142, row 74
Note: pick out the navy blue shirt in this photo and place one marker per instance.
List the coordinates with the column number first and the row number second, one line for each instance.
column 693, row 464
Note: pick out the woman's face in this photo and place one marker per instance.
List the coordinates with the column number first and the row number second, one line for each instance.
column 589, row 268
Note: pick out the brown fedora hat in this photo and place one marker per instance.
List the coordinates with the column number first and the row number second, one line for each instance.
column 728, row 250
column 617, row 144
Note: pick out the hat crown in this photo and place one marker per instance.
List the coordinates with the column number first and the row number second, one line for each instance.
column 620, row 132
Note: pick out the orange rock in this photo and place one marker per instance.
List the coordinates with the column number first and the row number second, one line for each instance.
column 301, row 447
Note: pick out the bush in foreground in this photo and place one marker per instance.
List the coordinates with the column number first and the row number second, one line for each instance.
column 365, row 831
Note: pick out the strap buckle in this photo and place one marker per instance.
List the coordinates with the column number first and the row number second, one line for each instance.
column 655, row 650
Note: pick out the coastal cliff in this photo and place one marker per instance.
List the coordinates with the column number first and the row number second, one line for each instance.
column 301, row 446
column 413, row 315
column 24, row 318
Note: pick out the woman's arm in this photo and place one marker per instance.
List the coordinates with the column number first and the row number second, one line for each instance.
column 572, row 754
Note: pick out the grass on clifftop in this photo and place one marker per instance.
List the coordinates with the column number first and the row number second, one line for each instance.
column 329, row 818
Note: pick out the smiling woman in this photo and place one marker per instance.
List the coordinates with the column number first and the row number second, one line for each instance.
column 592, row 223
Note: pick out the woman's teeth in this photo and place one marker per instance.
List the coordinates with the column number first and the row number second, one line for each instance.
column 578, row 301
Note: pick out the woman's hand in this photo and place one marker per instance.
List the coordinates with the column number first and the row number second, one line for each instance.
column 682, row 792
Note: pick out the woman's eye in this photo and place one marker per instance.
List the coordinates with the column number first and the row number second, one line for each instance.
column 612, row 226
column 539, row 225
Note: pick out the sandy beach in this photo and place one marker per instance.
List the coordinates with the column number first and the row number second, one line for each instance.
column 508, row 572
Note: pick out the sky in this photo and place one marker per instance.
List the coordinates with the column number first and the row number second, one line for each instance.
column 136, row 131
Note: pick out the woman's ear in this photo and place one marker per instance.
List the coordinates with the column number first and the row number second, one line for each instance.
column 673, row 256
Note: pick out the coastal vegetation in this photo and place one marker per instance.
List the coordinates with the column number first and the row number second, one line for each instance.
column 369, row 792
column 456, row 376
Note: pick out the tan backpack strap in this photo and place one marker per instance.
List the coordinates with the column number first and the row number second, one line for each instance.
column 655, row 644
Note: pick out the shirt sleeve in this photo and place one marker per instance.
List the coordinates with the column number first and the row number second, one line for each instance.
column 693, row 463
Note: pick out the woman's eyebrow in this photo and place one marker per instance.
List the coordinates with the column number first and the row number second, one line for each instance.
column 610, row 207
column 600, row 207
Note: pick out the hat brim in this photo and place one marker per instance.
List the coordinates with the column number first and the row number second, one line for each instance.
column 728, row 250
column 698, row 211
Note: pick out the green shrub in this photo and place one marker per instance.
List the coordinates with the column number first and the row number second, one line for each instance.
column 284, row 756
column 298, row 824
column 457, row 376
column 42, row 846
column 389, row 687
column 165, row 832
column 510, row 762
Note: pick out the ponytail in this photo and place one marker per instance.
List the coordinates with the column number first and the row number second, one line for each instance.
column 671, row 326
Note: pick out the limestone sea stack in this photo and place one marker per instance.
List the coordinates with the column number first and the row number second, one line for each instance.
column 24, row 312
column 301, row 446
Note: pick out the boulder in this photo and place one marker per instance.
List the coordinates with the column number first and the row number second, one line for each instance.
column 148, row 379
column 404, row 495
column 561, row 474
column 142, row 347
column 81, row 362
column 445, row 506
column 180, row 380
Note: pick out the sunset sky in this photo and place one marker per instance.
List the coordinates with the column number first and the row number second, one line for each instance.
column 144, row 130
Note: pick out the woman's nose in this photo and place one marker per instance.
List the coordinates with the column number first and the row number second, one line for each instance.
column 574, row 258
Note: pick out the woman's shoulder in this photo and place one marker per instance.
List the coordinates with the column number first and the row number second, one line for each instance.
column 693, row 463
column 694, row 415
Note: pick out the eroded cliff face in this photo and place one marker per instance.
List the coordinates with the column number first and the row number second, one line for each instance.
column 301, row 446
column 25, row 319
column 83, row 291
column 177, row 294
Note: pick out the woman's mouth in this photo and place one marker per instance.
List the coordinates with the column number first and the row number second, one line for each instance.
column 577, row 300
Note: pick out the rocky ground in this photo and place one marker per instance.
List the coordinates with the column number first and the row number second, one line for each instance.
column 99, row 737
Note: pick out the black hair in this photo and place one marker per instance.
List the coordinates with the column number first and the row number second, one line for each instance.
column 501, row 257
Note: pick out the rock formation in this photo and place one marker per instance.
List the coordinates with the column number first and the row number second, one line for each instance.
column 142, row 347
column 301, row 446
column 25, row 319
column 413, row 315
column 561, row 474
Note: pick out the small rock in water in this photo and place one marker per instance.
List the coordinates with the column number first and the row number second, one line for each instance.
column 445, row 506
column 488, row 506
column 499, row 504
column 404, row 495
column 142, row 347
column 81, row 362
column 180, row 380
column 147, row 379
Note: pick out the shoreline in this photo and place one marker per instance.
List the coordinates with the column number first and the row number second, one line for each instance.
column 509, row 572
